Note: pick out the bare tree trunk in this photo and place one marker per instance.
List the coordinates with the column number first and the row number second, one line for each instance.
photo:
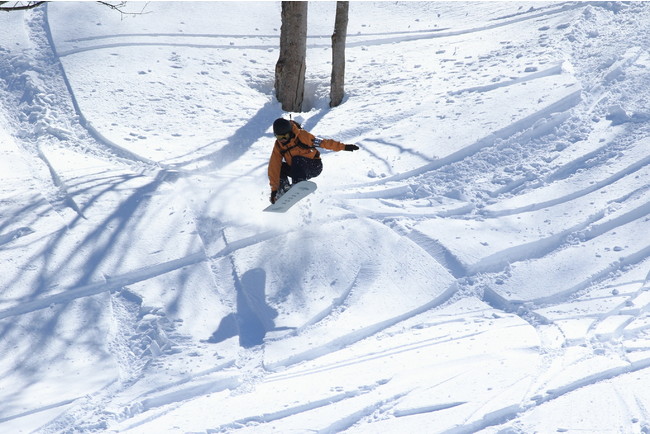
column 338, row 53
column 290, row 69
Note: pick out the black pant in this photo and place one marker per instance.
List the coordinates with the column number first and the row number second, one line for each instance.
column 301, row 169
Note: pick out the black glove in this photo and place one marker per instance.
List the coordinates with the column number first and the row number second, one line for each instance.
column 273, row 195
column 351, row 148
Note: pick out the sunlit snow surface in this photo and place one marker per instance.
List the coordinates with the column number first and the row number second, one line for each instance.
column 480, row 265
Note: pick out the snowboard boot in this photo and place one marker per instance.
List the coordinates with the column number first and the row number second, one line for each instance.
column 285, row 185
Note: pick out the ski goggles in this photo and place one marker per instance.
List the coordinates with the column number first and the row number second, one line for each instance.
column 283, row 137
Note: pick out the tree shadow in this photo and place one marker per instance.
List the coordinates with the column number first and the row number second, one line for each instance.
column 239, row 142
column 254, row 317
column 58, row 260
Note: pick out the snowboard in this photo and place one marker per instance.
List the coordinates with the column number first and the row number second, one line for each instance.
column 297, row 192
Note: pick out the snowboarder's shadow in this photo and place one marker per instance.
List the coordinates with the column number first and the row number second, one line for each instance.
column 253, row 317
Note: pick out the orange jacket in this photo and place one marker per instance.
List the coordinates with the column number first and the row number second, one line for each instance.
column 302, row 144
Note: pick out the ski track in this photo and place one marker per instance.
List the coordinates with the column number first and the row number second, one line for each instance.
column 99, row 139
column 336, row 303
column 127, row 311
column 609, row 326
column 291, row 411
column 358, row 335
column 520, row 126
column 135, row 276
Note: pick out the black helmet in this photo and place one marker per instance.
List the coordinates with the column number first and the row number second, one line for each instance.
column 281, row 126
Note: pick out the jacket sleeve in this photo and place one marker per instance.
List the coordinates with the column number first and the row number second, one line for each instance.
column 275, row 166
column 309, row 139
column 331, row 144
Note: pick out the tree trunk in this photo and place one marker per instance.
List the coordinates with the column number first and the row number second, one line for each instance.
column 338, row 53
column 290, row 69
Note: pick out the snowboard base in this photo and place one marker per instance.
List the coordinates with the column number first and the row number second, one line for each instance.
column 296, row 193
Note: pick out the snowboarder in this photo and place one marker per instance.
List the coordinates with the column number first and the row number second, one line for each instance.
column 295, row 155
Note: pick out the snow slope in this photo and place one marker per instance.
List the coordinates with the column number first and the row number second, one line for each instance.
column 480, row 265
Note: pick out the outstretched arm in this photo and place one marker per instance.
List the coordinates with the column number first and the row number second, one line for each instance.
column 333, row 145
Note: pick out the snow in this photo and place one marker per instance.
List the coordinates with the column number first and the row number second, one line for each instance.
column 481, row 264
